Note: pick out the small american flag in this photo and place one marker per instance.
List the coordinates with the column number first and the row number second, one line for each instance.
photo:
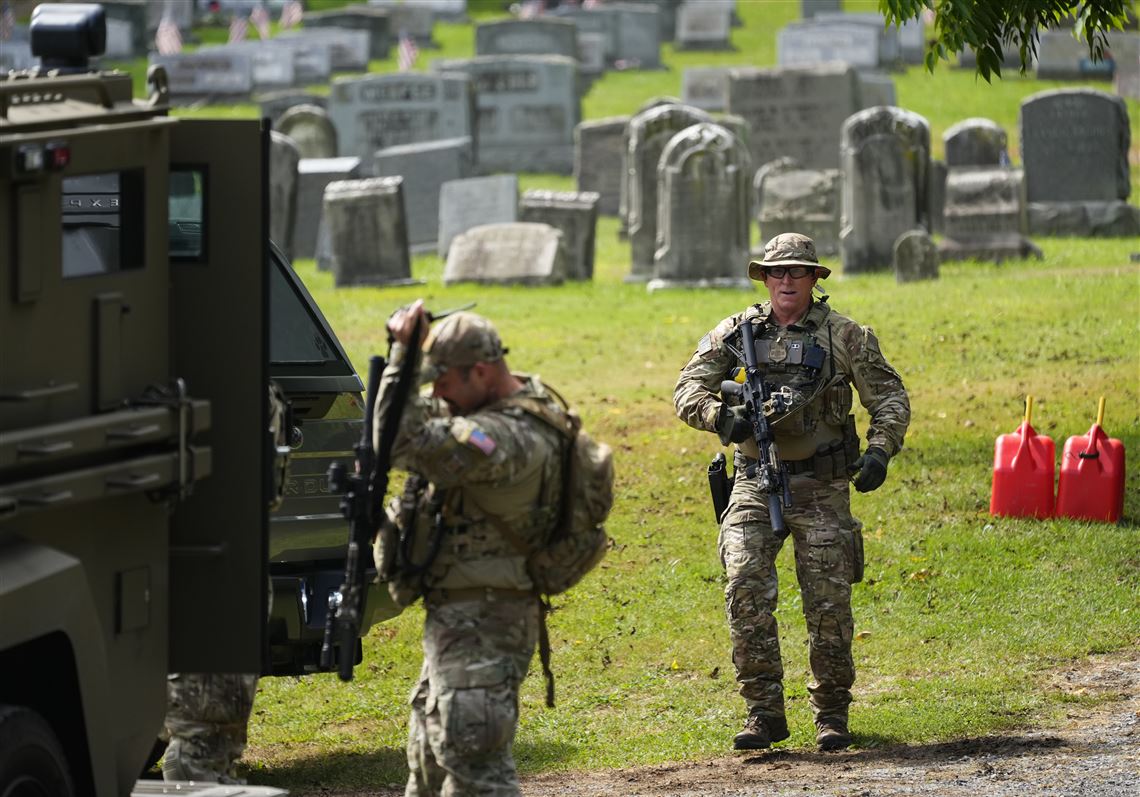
column 7, row 21
column 290, row 14
column 260, row 19
column 239, row 26
column 406, row 52
column 167, row 37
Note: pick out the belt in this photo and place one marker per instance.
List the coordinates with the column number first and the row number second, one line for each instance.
column 441, row 596
column 794, row 466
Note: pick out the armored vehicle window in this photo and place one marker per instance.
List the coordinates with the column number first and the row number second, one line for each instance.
column 186, row 213
column 294, row 335
column 102, row 218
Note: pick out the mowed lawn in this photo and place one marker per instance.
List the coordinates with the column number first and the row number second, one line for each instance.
column 961, row 615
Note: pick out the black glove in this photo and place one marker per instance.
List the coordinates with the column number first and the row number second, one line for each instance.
column 870, row 469
column 732, row 424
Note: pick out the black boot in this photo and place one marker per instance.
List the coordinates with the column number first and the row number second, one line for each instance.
column 760, row 732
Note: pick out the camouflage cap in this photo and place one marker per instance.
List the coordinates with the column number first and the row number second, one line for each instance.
column 461, row 339
column 788, row 249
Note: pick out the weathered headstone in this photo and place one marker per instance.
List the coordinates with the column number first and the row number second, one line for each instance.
column 667, row 15
column 275, row 103
column 890, row 36
column 631, row 32
column 546, row 36
column 348, row 49
column 705, row 87
column 575, row 215
column 623, row 197
column 210, row 76
column 425, row 167
column 915, row 257
column 312, row 130
column 368, row 232
column 313, row 175
column 985, row 212
column 379, row 111
column 358, row 17
column 790, row 198
column 885, row 160
column 284, row 155
column 598, row 160
column 416, row 18
column 272, row 65
column 528, row 106
column 519, row 253
column 1061, row 57
column 649, row 132
column 803, row 44
column 795, row 112
column 476, row 201
column 704, row 25
column 704, row 174
column 976, row 142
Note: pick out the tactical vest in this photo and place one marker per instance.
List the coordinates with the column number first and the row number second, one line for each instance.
column 810, row 399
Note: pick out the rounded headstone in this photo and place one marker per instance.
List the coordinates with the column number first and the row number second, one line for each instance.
column 915, row 257
column 312, row 130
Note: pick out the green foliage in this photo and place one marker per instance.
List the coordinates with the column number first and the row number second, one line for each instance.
column 990, row 27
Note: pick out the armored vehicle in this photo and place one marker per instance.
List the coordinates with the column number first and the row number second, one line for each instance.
column 138, row 290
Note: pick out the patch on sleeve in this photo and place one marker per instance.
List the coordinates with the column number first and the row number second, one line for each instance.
column 470, row 434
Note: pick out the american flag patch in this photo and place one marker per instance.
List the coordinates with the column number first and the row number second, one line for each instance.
column 481, row 441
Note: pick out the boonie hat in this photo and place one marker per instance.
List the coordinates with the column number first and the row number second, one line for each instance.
column 787, row 249
column 461, row 339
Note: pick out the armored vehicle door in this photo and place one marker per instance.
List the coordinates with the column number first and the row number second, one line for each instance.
column 219, row 265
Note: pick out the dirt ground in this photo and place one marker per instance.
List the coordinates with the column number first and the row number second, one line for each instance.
column 1094, row 752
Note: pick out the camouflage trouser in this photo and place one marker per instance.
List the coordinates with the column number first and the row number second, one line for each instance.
column 206, row 717
column 465, row 706
column 824, row 535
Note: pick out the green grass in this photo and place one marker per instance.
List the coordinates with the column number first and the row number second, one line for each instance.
column 961, row 614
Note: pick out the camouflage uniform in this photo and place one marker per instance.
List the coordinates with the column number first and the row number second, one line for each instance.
column 206, row 718
column 827, row 539
column 498, row 466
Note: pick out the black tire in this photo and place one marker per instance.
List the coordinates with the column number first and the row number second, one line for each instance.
column 32, row 763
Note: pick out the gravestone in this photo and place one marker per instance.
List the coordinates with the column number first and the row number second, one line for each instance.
column 16, row 54
column 425, row 167
column 705, row 87
column 795, row 112
column 789, row 198
column 1085, row 219
column 915, row 257
column 809, row 8
column 545, row 36
column 890, row 36
column 704, row 25
column 1126, row 55
column 312, row 130
column 876, row 88
column 885, row 163
column 575, row 215
column 528, row 106
column 271, row 65
column 313, row 175
column 704, row 175
column 474, row 201
column 802, row 44
column 348, row 49
column 208, row 76
column 623, row 198
column 511, row 254
column 936, row 194
column 312, row 61
column 667, row 15
column 359, row 17
column 368, row 232
column 976, row 142
column 379, row 111
column 631, row 32
column 591, row 57
column 414, row 17
column 598, row 160
column 649, row 132
column 985, row 212
column 284, row 155
column 126, row 28
column 1061, row 57
column 275, row 103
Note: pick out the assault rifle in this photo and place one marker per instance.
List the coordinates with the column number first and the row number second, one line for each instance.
column 771, row 472
column 362, row 504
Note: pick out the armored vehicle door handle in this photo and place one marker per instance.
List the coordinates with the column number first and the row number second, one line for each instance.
column 134, row 480
column 45, row 448
column 47, row 499
column 133, row 432
column 33, row 393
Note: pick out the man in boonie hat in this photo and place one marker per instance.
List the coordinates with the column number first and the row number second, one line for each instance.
column 809, row 357
column 486, row 485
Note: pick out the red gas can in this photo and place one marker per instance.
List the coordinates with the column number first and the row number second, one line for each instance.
column 1091, row 485
column 1023, row 472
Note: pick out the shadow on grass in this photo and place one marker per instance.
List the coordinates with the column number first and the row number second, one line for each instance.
column 875, row 747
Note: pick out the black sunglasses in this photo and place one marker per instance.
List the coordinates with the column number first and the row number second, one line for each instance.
column 795, row 272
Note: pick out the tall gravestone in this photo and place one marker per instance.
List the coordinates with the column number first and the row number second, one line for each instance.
column 313, row 176
column 425, row 168
column 367, row 232
column 379, row 111
column 649, row 133
column 475, row 201
column 623, row 198
column 523, row 253
column 310, row 128
column 598, row 160
column 284, row 155
column 790, row 198
column 575, row 215
column 1074, row 148
column 545, row 36
column 975, row 142
column 795, row 112
column 704, row 177
column 528, row 106
column 885, row 160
